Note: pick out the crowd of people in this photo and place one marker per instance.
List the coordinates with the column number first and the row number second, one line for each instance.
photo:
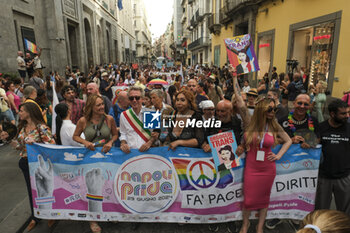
column 89, row 114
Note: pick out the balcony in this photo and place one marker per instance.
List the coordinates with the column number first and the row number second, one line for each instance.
column 183, row 18
column 201, row 42
column 214, row 24
column 197, row 15
column 231, row 7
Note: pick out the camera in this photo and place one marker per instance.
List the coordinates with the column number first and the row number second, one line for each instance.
column 292, row 63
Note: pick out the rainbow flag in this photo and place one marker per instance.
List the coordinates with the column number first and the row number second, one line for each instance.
column 30, row 46
column 180, row 165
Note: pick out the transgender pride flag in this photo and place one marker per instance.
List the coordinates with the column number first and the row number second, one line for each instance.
column 30, row 46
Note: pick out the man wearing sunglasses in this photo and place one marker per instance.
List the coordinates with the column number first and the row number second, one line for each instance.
column 132, row 133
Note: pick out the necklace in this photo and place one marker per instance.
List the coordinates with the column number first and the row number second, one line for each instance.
column 291, row 122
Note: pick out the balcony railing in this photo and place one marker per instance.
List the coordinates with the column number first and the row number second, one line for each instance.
column 183, row 18
column 231, row 6
column 214, row 24
column 203, row 41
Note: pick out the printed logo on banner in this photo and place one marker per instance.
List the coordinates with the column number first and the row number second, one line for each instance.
column 146, row 184
column 197, row 174
column 151, row 120
column 202, row 174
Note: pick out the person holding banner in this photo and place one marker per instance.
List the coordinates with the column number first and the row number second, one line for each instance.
column 260, row 169
column 96, row 125
column 132, row 133
column 186, row 110
column 31, row 129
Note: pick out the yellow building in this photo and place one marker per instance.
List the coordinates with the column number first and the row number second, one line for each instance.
column 315, row 33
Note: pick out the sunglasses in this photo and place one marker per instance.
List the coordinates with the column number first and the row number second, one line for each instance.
column 209, row 109
column 131, row 98
column 271, row 109
column 301, row 103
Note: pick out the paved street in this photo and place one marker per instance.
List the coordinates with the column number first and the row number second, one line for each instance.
column 83, row 227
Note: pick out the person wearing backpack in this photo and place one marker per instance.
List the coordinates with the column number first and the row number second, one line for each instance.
column 215, row 92
column 295, row 88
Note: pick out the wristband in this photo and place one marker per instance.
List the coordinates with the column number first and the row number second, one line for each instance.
column 44, row 200
column 99, row 142
column 94, row 197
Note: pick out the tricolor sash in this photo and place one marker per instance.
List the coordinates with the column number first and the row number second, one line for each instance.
column 137, row 125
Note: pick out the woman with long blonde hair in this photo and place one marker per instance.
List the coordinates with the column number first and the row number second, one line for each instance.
column 325, row 221
column 261, row 132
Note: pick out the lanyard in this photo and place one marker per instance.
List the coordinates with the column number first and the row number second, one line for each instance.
column 262, row 140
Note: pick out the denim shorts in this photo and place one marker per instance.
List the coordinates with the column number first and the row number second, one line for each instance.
column 8, row 115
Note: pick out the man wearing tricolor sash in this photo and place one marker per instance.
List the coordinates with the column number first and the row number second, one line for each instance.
column 132, row 133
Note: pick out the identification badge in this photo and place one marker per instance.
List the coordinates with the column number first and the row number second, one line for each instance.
column 260, row 156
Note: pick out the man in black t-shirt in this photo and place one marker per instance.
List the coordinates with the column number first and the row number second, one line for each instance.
column 106, row 86
column 334, row 170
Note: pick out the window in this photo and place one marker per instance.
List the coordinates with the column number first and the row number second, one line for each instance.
column 27, row 33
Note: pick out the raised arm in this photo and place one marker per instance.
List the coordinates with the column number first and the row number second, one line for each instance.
column 242, row 108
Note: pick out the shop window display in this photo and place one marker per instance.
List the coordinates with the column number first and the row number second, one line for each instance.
column 312, row 48
column 264, row 55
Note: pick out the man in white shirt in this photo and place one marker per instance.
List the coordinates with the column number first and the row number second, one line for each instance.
column 132, row 134
column 129, row 81
column 37, row 64
column 21, row 65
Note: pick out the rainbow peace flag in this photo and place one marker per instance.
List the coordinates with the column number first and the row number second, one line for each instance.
column 180, row 165
column 30, row 46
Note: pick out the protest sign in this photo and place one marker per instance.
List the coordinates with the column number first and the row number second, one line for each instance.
column 159, row 185
column 223, row 148
column 241, row 54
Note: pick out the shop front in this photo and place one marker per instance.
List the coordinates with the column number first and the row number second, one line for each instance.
column 313, row 46
column 266, row 41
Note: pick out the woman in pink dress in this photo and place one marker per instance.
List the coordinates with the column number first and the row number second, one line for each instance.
column 261, row 131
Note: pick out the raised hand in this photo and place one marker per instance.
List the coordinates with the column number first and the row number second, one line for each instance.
column 94, row 182
column 44, row 180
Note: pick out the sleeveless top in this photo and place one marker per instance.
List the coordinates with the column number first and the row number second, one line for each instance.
column 94, row 133
column 16, row 99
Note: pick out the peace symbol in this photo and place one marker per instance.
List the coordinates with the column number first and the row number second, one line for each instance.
column 202, row 174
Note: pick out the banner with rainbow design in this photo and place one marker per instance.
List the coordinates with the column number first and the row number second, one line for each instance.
column 159, row 185
column 30, row 46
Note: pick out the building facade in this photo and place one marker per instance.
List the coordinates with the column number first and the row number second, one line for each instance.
column 198, row 14
column 142, row 33
column 313, row 33
column 78, row 33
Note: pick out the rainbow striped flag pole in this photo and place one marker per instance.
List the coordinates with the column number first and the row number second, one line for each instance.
column 30, row 46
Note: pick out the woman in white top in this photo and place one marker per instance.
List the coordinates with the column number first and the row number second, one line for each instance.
column 64, row 126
